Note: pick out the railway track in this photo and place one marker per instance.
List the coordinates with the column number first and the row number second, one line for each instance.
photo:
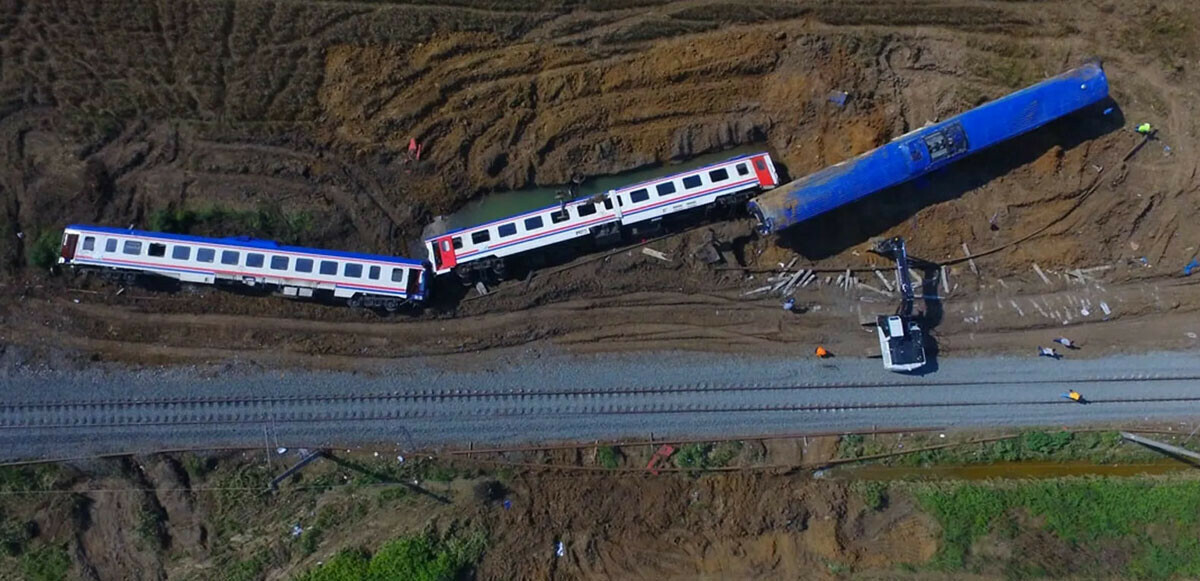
column 461, row 403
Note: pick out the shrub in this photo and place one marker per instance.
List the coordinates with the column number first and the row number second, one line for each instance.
column 43, row 252
column 608, row 457
column 46, row 564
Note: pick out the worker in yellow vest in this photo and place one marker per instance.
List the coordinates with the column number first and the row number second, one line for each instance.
column 1145, row 129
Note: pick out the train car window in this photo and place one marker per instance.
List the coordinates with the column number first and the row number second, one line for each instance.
column 718, row 175
column 328, row 267
column 110, row 245
column 665, row 188
column 607, row 203
column 506, row 230
column 533, row 223
column 457, row 240
column 559, row 216
column 742, row 169
column 304, row 265
column 480, row 237
column 758, row 163
column 373, row 273
column 180, row 252
column 254, row 260
column 637, row 196
column 157, row 249
column 89, row 243
column 585, row 209
column 132, row 247
column 691, row 182
column 279, row 262
column 397, row 275
column 205, row 255
column 229, row 257
column 352, row 270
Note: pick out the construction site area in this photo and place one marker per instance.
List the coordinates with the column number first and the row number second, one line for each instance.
column 715, row 399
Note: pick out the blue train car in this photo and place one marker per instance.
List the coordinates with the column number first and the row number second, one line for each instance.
column 930, row 148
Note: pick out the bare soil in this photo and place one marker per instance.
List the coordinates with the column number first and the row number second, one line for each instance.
column 112, row 115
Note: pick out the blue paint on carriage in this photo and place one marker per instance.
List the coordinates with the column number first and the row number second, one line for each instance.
column 246, row 243
column 930, row 148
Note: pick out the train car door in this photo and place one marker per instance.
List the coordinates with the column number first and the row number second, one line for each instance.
column 444, row 257
column 414, row 283
column 763, row 171
column 68, row 248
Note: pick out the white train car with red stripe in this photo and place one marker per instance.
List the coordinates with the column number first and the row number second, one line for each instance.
column 485, row 247
column 360, row 279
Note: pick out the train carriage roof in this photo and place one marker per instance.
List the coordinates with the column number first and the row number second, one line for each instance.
column 245, row 243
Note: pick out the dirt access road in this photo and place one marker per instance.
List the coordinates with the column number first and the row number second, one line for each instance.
column 289, row 120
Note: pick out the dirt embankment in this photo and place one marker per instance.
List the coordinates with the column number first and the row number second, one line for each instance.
column 294, row 120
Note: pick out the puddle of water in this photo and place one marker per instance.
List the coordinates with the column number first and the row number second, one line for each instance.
column 500, row 204
column 1004, row 470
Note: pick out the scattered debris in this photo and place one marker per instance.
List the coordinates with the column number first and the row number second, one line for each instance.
column 970, row 259
column 655, row 254
column 1104, row 307
column 281, row 450
column 945, row 280
column 761, row 289
column 1039, row 272
column 297, row 530
column 1190, row 335
column 838, row 98
column 886, row 283
column 871, row 288
column 119, row 291
column 1193, row 265
column 560, row 549
column 1017, row 307
column 481, row 288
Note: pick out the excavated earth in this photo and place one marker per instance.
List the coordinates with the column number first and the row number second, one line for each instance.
column 301, row 113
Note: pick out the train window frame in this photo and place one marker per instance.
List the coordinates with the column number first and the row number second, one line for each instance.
column 608, row 205
column 742, row 169
column 583, row 210
column 156, row 249
column 208, row 255
column 181, row 252
column 255, row 259
column 279, row 262
column 559, row 216
column 328, row 268
column 110, row 245
column 89, row 243
column 758, row 163
column 506, row 230
column 457, row 242
column 534, row 223
column 481, row 236
column 665, row 189
column 304, row 265
column 230, row 257
column 692, row 182
column 132, row 248
column 712, row 175
column 352, row 270
column 374, row 272
column 639, row 196
column 398, row 274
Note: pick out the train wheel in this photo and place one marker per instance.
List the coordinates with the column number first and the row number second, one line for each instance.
column 390, row 305
column 129, row 277
column 355, row 302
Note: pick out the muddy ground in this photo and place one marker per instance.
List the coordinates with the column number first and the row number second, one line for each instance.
column 298, row 115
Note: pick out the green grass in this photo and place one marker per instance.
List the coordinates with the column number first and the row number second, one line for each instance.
column 263, row 222
column 704, row 455
column 50, row 563
column 416, row 558
column 1060, row 446
column 872, row 492
column 43, row 251
column 1157, row 519
column 608, row 457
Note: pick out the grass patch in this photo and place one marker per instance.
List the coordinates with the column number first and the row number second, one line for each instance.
column 43, row 252
column 608, row 457
column 417, row 558
column 50, row 563
column 1055, row 446
column 1157, row 519
column 263, row 222
column 872, row 492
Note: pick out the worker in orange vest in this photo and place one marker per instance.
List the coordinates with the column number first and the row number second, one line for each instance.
column 821, row 352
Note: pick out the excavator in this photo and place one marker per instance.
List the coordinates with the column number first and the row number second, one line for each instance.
column 901, row 340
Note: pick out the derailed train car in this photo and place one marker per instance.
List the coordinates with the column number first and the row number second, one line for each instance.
column 930, row 148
